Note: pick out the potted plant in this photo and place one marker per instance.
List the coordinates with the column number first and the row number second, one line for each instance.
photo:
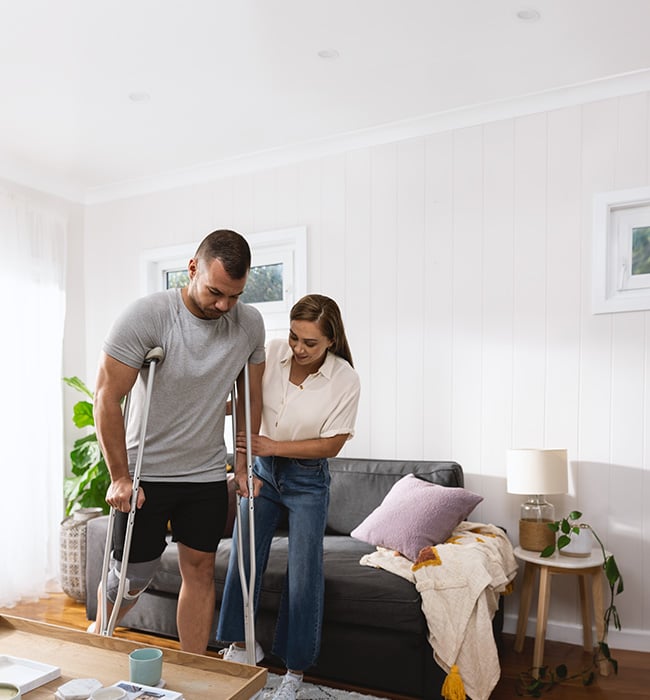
column 569, row 530
column 84, row 493
column 87, row 486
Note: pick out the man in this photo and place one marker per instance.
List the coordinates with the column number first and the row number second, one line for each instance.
column 207, row 339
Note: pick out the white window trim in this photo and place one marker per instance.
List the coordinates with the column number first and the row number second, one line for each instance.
column 614, row 288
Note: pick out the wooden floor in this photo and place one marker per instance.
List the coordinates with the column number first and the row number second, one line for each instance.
column 632, row 681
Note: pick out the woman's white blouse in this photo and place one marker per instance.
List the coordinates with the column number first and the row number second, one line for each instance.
column 323, row 406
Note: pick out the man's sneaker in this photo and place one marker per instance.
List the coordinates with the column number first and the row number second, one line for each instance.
column 288, row 689
column 239, row 654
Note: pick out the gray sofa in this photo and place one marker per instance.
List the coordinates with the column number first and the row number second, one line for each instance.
column 374, row 632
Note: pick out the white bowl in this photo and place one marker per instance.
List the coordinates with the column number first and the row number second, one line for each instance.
column 110, row 693
column 9, row 691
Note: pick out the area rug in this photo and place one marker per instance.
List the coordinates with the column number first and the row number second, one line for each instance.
column 311, row 691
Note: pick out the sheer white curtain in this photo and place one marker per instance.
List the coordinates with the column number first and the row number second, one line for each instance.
column 32, row 309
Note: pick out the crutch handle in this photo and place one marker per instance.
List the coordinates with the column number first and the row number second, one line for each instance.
column 157, row 354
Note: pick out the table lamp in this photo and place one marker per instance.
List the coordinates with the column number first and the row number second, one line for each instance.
column 537, row 473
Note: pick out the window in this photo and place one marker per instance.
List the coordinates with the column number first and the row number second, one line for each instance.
column 276, row 281
column 621, row 252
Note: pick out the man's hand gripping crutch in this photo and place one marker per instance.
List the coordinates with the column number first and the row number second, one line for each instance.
column 107, row 624
column 247, row 586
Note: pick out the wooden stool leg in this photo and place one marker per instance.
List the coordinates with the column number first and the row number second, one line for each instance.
column 524, row 605
column 587, row 637
column 599, row 614
column 542, row 617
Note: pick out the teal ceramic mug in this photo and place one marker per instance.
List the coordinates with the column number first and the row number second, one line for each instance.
column 145, row 666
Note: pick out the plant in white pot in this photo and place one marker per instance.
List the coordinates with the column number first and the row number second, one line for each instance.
column 84, row 493
column 576, row 538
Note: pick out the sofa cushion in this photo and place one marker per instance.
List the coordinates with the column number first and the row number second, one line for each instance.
column 354, row 594
column 416, row 514
column 358, row 486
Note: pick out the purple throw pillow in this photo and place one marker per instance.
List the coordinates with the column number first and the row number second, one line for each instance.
column 416, row 514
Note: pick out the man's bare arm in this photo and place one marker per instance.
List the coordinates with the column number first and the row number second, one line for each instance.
column 114, row 381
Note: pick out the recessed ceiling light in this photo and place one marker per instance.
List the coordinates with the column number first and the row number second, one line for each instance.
column 528, row 15
column 328, row 53
column 139, row 96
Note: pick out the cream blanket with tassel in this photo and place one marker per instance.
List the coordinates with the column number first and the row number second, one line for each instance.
column 460, row 582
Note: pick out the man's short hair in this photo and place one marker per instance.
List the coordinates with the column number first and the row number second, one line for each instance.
column 230, row 248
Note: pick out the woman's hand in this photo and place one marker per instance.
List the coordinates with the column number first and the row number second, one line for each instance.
column 260, row 445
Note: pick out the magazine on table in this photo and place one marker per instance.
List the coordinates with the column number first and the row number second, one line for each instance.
column 147, row 692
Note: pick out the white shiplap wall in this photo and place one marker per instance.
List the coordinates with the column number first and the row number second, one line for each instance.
column 461, row 261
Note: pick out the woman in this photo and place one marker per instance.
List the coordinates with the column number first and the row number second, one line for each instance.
column 310, row 399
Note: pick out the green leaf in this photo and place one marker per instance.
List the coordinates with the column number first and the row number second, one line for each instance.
column 575, row 515
column 563, row 541
column 554, row 526
column 83, row 414
column 548, row 551
column 87, row 490
column 565, row 527
column 77, row 384
column 611, row 570
column 561, row 671
column 85, row 456
column 71, row 491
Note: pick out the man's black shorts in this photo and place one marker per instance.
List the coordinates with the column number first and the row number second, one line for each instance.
column 196, row 511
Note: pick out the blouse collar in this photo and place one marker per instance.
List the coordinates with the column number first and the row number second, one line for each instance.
column 325, row 369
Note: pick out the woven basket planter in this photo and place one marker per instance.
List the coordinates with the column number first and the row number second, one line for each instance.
column 72, row 553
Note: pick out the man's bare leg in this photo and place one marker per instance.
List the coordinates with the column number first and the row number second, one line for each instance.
column 196, row 599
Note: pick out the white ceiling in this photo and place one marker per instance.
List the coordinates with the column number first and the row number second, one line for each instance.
column 228, row 79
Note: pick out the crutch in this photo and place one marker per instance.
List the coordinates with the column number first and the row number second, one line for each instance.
column 247, row 587
column 152, row 358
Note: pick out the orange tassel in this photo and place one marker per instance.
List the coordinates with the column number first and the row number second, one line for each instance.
column 453, row 688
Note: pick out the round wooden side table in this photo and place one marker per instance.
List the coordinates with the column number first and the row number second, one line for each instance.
column 587, row 569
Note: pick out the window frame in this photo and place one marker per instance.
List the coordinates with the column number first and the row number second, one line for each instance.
column 615, row 216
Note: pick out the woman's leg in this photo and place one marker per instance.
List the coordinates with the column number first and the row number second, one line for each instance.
column 304, row 488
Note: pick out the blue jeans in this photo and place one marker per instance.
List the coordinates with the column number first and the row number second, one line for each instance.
column 299, row 488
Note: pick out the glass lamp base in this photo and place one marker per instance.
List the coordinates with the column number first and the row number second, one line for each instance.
column 534, row 531
column 535, row 535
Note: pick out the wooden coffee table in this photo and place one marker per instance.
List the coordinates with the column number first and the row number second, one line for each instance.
column 84, row 655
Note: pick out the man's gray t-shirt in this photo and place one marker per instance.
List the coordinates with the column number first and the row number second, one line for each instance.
column 203, row 357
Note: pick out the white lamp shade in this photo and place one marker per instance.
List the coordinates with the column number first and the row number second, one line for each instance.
column 537, row 471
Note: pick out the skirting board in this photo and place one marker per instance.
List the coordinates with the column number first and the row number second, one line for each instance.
column 629, row 639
